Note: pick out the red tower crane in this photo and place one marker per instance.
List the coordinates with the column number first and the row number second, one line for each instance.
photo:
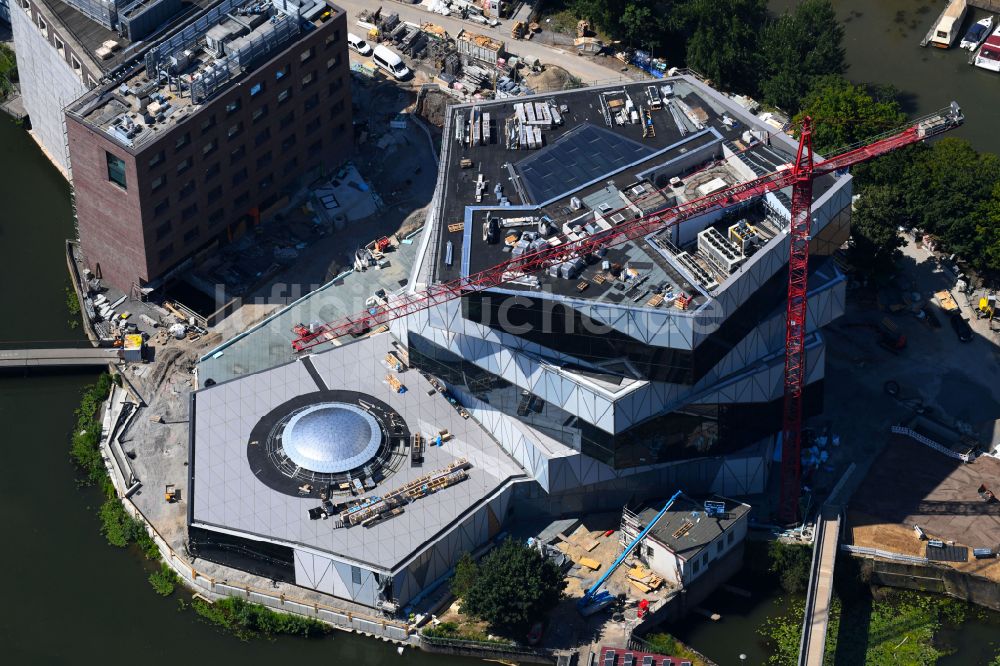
column 799, row 176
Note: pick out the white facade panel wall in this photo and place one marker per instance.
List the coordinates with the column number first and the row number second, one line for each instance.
column 48, row 84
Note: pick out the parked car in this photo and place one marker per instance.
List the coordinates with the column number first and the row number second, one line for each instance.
column 961, row 326
column 359, row 45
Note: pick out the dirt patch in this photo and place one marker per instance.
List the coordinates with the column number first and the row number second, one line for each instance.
column 552, row 77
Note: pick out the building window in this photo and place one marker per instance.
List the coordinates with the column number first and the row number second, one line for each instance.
column 336, row 85
column 191, row 234
column 209, row 147
column 288, row 142
column 75, row 63
column 212, row 171
column 281, row 73
column 312, row 102
column 356, row 575
column 649, row 551
column 60, row 47
column 158, row 182
column 187, row 190
column 312, row 125
column 182, row 140
column 156, row 159
column 214, row 195
column 315, row 148
column 259, row 112
column 183, row 165
column 237, row 154
column 265, row 182
column 332, row 62
column 242, row 199
column 341, row 128
column 262, row 136
column 189, row 212
column 239, row 176
column 719, row 545
column 41, row 26
column 290, row 166
column 233, row 105
column 216, row 215
column 286, row 120
column 161, row 207
column 91, row 82
column 332, row 39
column 697, row 567
column 264, row 160
column 166, row 252
column 116, row 170
column 704, row 559
column 234, row 130
column 207, row 124
column 729, row 539
column 256, row 88
column 163, row 230
column 284, row 95
column 308, row 79
column 338, row 107
column 306, row 55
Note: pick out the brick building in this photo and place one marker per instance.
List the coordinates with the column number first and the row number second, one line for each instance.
column 215, row 124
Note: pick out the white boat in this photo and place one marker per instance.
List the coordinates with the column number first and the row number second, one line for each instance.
column 988, row 56
column 943, row 34
column 977, row 33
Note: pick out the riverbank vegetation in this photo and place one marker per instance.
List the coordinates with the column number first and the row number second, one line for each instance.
column 662, row 643
column 164, row 580
column 247, row 620
column 73, row 306
column 8, row 71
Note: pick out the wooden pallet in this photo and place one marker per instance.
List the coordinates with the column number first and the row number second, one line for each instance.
column 458, row 226
column 656, row 301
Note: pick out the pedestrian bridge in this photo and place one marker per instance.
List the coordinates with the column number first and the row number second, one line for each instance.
column 57, row 358
column 817, row 615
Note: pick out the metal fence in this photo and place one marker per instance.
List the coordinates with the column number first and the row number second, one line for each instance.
column 884, row 554
column 916, row 436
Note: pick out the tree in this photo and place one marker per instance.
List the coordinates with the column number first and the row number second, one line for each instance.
column 465, row 576
column 874, row 226
column 514, row 586
column 844, row 113
column 988, row 230
column 635, row 20
column 724, row 39
column 791, row 563
column 795, row 49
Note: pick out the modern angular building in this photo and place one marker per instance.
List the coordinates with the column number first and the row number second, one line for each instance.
column 186, row 145
column 620, row 376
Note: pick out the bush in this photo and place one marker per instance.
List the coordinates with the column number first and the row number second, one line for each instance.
column 164, row 581
column 465, row 575
column 86, row 439
column 791, row 563
column 455, row 632
column 247, row 620
column 514, row 586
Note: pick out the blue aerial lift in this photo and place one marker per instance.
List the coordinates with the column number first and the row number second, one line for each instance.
column 594, row 599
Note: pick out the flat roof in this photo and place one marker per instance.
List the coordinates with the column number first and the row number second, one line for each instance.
column 192, row 66
column 587, row 160
column 91, row 35
column 672, row 529
column 228, row 495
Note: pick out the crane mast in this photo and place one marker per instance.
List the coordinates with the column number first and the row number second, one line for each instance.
column 799, row 176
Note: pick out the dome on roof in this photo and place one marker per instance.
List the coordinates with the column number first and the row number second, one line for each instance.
column 331, row 437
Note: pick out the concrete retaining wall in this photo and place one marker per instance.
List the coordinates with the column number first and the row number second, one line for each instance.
column 933, row 578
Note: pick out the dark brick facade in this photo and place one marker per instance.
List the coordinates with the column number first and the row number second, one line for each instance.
column 208, row 177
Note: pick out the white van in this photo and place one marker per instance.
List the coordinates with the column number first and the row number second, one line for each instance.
column 358, row 44
column 390, row 62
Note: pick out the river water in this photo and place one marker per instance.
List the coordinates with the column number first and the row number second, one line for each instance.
column 67, row 595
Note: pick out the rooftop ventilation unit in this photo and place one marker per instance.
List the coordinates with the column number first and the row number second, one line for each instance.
column 701, row 276
column 718, row 250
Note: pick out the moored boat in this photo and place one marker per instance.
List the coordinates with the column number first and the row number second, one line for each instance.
column 944, row 32
column 988, row 56
column 977, row 33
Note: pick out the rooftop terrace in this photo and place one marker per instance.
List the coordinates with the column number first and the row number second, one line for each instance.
column 523, row 174
column 183, row 72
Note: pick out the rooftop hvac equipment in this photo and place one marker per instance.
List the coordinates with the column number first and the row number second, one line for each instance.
column 104, row 12
column 701, row 276
column 575, row 203
column 745, row 236
column 718, row 250
column 711, row 187
column 141, row 18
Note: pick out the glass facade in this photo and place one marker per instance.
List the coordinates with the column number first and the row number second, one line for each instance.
column 691, row 432
column 116, row 170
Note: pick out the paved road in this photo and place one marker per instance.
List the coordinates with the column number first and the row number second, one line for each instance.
column 817, row 615
column 87, row 356
column 583, row 68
